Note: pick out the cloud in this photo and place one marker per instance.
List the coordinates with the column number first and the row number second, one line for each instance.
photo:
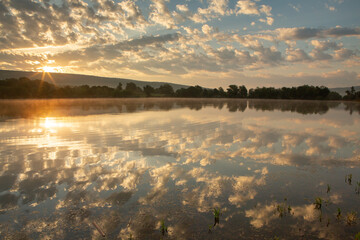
column 182, row 8
column 215, row 9
column 331, row 8
column 266, row 10
column 344, row 54
column 325, row 45
column 160, row 14
column 247, row 7
column 296, row 8
column 269, row 20
column 320, row 55
column 36, row 24
column 303, row 33
column 261, row 215
column 296, row 55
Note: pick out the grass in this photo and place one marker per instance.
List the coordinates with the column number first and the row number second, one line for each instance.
column 348, row 179
column 163, row 228
column 357, row 188
column 216, row 213
column 318, row 203
column 216, row 216
column 338, row 215
column 357, row 236
column 283, row 208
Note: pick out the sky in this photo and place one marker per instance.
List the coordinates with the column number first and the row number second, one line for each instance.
column 210, row 43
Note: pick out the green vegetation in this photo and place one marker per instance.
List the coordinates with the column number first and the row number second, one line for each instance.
column 357, row 188
column 163, row 228
column 357, row 236
column 283, row 209
column 210, row 227
column 338, row 215
column 348, row 179
column 216, row 216
column 318, row 203
column 26, row 88
column 352, row 94
column 328, row 188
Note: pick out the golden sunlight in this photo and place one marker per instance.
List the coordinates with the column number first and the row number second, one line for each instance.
column 51, row 69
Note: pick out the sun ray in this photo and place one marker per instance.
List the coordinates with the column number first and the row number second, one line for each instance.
column 51, row 78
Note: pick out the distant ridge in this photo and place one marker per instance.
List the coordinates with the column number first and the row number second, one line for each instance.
column 63, row 79
column 342, row 90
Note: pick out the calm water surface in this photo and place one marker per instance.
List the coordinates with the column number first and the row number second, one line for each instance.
column 129, row 164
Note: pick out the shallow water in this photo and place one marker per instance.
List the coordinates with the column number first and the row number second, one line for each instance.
column 128, row 164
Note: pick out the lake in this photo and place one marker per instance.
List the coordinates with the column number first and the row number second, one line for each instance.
column 179, row 169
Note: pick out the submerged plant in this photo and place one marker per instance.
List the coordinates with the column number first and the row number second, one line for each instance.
column 163, row 228
column 328, row 188
column 348, row 179
column 351, row 218
column 357, row 188
column 289, row 209
column 283, row 208
column 338, row 215
column 216, row 216
column 318, row 203
column 210, row 227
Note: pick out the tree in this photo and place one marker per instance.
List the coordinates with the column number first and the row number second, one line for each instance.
column 119, row 87
column 131, row 87
column 166, row 89
column 334, row 96
column 148, row 90
column 233, row 91
column 243, row 91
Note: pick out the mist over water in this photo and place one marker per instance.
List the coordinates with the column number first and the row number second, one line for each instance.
column 129, row 164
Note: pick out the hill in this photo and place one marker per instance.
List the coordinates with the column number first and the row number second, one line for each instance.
column 342, row 90
column 67, row 79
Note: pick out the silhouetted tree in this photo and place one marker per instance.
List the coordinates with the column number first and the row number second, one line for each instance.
column 165, row 89
column 148, row 90
column 243, row 91
column 233, row 91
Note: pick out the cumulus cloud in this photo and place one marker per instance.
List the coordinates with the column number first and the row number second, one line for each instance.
column 36, row 24
column 247, row 7
column 296, row 55
column 215, row 9
column 108, row 35
column 182, row 8
column 160, row 14
column 325, row 45
column 303, row 33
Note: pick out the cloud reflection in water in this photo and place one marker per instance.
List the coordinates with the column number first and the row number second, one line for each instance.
column 130, row 163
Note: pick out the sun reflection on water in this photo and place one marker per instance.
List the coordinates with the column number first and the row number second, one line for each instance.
column 131, row 170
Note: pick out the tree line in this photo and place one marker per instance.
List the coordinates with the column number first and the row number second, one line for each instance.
column 26, row 88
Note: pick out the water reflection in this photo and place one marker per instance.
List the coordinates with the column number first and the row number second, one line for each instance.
column 73, row 107
column 130, row 164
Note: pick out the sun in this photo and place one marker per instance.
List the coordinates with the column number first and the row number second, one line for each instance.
column 50, row 69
